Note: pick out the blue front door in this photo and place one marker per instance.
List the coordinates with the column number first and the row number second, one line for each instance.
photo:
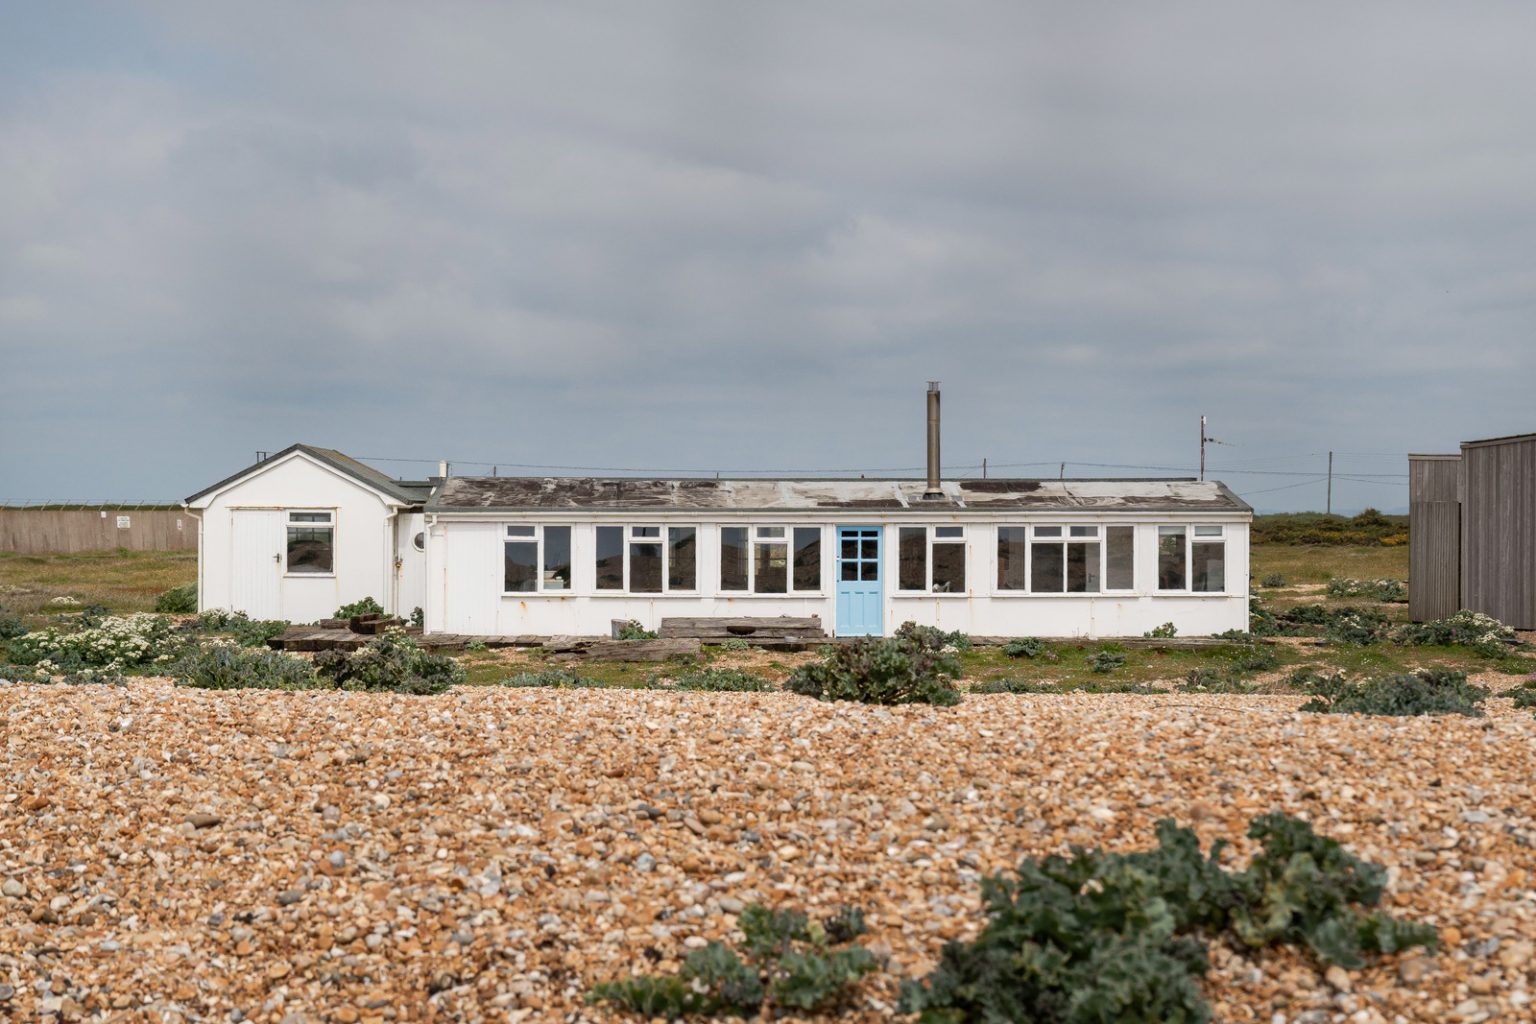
column 860, row 610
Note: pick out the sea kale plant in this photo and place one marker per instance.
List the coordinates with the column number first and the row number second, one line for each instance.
column 1096, row 937
column 1395, row 591
column 389, row 663
column 365, row 606
column 913, row 667
column 113, row 643
column 224, row 666
column 238, row 627
column 725, row 680
column 786, row 962
column 1024, row 647
column 1429, row 691
column 178, row 600
column 1483, row 633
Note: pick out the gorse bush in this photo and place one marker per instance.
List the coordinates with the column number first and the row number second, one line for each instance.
column 389, row 663
column 1024, row 647
column 787, row 961
column 724, row 680
column 1431, row 691
column 1099, row 937
column 1376, row 590
column 910, row 668
column 365, row 606
column 178, row 600
column 222, row 666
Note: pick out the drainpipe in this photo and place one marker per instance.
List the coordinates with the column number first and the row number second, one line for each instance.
column 187, row 509
column 934, row 491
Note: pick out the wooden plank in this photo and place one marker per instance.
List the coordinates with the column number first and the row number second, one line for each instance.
column 742, row 627
column 626, row 650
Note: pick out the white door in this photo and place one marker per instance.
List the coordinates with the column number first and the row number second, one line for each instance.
column 472, row 578
column 256, row 562
column 411, row 583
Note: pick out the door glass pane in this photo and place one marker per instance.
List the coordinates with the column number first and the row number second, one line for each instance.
column 1046, row 570
column 1120, row 558
column 869, row 549
column 807, row 558
column 520, row 567
column 772, row 569
column 949, row 568
column 1210, row 568
column 1010, row 558
column 610, row 558
column 1082, row 568
column 682, row 558
column 1170, row 558
column 912, row 573
column 869, row 571
column 850, row 570
column 850, row 548
column 310, row 549
column 644, row 568
column 557, row 558
column 733, row 558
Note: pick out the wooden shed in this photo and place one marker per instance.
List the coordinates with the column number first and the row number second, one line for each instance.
column 1472, row 530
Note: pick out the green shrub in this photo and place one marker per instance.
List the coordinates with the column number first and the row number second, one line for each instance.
column 1483, row 633
column 724, row 680
column 1106, row 661
column 178, row 600
column 366, row 606
column 552, row 678
column 1369, row 527
column 418, row 618
column 114, row 642
column 1121, row 937
column 1031, row 686
column 933, row 637
column 1395, row 591
column 11, row 626
column 1024, row 647
column 905, row 669
column 1345, row 625
column 1430, row 691
column 217, row 666
column 244, row 630
column 735, row 643
column 787, row 961
column 1274, row 579
column 633, row 630
column 1525, row 694
column 1212, row 679
column 389, row 663
column 1166, row 631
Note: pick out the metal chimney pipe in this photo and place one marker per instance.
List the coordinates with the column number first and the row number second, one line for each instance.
column 933, row 493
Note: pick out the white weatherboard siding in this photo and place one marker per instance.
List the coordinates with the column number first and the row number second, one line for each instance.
column 410, row 565
column 233, row 579
column 465, row 567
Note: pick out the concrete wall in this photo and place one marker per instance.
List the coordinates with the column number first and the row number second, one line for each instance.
column 464, row 573
column 66, row 531
column 364, row 542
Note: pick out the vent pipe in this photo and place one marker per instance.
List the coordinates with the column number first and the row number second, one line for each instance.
column 933, row 493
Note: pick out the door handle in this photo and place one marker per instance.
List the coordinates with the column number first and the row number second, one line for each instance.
column 277, row 558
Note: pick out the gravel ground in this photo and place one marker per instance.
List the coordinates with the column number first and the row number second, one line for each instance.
column 179, row 855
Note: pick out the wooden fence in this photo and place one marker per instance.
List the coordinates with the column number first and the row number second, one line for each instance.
column 64, row 531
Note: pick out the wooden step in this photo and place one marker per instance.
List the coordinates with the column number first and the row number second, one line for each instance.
column 783, row 627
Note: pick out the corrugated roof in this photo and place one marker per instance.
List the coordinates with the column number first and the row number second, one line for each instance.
column 518, row 494
column 411, row 492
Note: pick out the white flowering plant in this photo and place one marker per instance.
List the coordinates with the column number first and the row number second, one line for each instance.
column 1483, row 633
column 116, row 643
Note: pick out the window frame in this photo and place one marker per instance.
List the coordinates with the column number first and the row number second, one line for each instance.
column 540, row 590
column 786, row 539
column 662, row 539
column 930, row 538
column 330, row 524
column 1192, row 536
column 1063, row 536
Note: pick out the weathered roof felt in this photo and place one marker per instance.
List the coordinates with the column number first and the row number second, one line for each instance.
column 411, row 492
column 518, row 494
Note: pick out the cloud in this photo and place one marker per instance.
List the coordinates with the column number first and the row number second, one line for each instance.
column 694, row 235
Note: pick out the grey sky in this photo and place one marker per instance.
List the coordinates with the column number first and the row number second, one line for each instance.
column 742, row 236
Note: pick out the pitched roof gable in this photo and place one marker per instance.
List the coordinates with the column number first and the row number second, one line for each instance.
column 409, row 492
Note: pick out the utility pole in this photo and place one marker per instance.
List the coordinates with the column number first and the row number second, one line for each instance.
column 1330, row 483
column 983, row 468
column 1063, row 474
column 1202, row 447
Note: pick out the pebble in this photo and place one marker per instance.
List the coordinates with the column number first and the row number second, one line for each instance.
column 499, row 851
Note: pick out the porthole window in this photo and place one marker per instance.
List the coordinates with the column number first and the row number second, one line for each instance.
column 419, row 542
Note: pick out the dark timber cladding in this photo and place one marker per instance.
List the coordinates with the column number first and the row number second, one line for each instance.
column 1434, row 536
column 1498, row 528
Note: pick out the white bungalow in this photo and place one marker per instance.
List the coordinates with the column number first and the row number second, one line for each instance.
column 309, row 529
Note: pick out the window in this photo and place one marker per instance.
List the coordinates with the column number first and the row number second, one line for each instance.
column 647, row 559
column 1208, row 560
column 770, row 559
column 1066, row 559
column 311, row 543
column 536, row 559
column 419, row 542
column 931, row 558
column 1172, row 558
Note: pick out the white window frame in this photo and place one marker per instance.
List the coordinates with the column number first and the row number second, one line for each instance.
column 929, row 540
column 1192, row 536
column 540, row 587
column 755, row 536
column 662, row 538
column 331, row 525
column 1100, row 537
